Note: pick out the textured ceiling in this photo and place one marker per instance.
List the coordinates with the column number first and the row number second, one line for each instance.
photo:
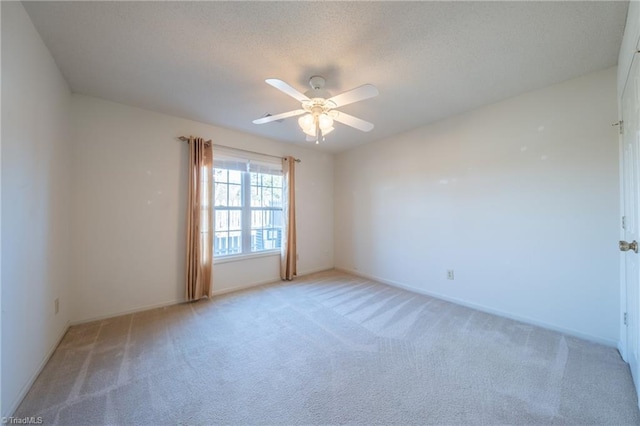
column 207, row 61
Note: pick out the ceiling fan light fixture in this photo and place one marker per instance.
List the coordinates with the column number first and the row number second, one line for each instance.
column 310, row 131
column 306, row 122
column 325, row 122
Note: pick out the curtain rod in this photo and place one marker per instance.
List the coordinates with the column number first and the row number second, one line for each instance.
column 186, row 139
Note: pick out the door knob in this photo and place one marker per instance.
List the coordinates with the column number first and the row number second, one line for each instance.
column 625, row 246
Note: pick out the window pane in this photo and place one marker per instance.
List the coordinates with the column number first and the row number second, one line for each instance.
column 266, row 232
column 268, row 219
column 277, row 181
column 267, row 180
column 256, row 219
column 277, row 197
column 235, row 242
column 277, row 218
column 256, row 197
column 220, row 243
column 221, row 194
column 220, row 175
column 254, row 179
column 235, row 176
column 222, row 220
column 254, row 240
column 235, row 220
column 267, row 197
column 269, row 243
column 226, row 243
column 235, row 195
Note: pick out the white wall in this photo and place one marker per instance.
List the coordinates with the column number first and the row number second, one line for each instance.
column 519, row 198
column 35, row 203
column 630, row 44
column 130, row 180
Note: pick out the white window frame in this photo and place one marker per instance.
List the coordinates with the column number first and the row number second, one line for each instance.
column 246, row 212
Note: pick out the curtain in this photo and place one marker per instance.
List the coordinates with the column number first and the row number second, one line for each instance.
column 288, row 251
column 199, row 220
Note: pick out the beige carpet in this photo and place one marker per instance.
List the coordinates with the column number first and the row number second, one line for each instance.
column 328, row 349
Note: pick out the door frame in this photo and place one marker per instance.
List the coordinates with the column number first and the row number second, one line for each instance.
column 624, row 328
column 622, row 342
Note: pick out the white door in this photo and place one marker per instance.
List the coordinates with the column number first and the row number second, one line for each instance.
column 630, row 234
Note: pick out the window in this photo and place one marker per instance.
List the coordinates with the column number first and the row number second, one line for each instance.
column 248, row 206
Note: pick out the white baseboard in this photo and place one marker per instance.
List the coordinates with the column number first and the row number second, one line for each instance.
column 23, row 392
column 264, row 282
column 177, row 301
column 621, row 351
column 127, row 312
column 315, row 271
column 482, row 308
column 243, row 287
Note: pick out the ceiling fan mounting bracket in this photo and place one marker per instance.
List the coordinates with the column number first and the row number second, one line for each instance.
column 317, row 91
column 317, row 82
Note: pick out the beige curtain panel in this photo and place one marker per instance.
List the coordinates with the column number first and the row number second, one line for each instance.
column 199, row 220
column 288, row 261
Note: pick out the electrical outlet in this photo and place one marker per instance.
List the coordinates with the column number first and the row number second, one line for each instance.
column 449, row 274
column 56, row 306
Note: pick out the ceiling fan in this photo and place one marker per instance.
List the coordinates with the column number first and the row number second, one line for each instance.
column 318, row 107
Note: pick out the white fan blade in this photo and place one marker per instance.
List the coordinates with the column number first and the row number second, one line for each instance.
column 352, row 121
column 271, row 118
column 361, row 93
column 284, row 87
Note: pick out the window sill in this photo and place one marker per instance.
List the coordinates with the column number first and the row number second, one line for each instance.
column 239, row 257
